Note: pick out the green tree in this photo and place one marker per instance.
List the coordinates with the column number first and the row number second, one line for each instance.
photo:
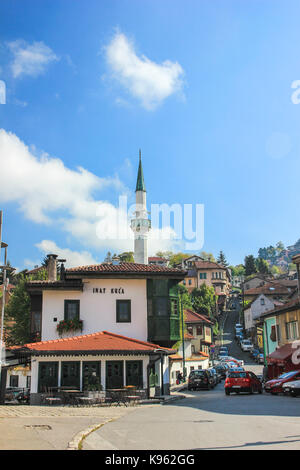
column 222, row 259
column 185, row 297
column 204, row 299
column 238, row 270
column 207, row 256
column 18, row 310
column 262, row 266
column 250, row 266
column 127, row 257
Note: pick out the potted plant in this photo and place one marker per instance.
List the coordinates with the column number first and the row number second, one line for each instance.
column 66, row 326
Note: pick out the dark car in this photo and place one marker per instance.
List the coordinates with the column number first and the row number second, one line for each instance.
column 215, row 376
column 275, row 386
column 242, row 381
column 292, row 388
column 222, row 370
column 199, row 379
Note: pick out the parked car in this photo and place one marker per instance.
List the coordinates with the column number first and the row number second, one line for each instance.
column 238, row 326
column 222, row 355
column 260, row 358
column 246, row 345
column 239, row 362
column 242, row 381
column 223, row 349
column 254, row 352
column 222, row 369
column 199, row 379
column 214, row 375
column 274, row 386
column 292, row 388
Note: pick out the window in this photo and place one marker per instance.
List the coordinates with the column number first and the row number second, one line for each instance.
column 123, row 311
column 199, row 330
column 203, row 276
column 174, row 307
column 70, row 374
column 72, row 309
column 91, row 375
column 161, row 307
column 262, row 301
column 190, row 282
column 190, row 330
column 14, row 381
column 36, row 322
column 291, row 330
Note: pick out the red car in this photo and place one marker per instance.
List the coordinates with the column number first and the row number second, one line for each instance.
column 275, row 386
column 245, row 381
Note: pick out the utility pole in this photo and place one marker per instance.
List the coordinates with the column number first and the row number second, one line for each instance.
column 182, row 333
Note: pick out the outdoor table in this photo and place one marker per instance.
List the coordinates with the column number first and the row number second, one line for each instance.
column 119, row 395
column 70, row 396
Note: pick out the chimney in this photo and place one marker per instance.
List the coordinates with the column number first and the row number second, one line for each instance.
column 52, row 267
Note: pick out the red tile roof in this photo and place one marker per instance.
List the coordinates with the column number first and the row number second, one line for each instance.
column 270, row 288
column 124, row 268
column 194, row 317
column 102, row 342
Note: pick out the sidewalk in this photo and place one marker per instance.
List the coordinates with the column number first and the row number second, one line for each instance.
column 24, row 427
column 52, row 427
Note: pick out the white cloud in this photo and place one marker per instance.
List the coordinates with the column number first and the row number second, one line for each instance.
column 47, row 192
column 30, row 59
column 149, row 82
column 73, row 258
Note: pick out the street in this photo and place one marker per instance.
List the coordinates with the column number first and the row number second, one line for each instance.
column 208, row 419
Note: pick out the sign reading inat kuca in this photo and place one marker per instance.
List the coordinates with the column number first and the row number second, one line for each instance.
column 103, row 290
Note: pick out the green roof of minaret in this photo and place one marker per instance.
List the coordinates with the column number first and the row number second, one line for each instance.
column 140, row 184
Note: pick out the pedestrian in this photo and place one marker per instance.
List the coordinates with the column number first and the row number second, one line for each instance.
column 179, row 377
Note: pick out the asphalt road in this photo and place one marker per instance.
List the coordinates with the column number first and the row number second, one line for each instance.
column 208, row 419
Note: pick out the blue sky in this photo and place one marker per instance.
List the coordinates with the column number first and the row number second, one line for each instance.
column 204, row 88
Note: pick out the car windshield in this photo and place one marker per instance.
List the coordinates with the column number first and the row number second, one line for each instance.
column 237, row 375
column 287, row 375
column 197, row 373
column 246, row 341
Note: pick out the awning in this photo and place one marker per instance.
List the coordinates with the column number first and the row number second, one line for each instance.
column 283, row 353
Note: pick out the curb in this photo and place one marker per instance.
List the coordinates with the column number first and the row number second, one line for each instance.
column 76, row 442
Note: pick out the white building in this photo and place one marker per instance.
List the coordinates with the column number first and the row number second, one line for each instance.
column 113, row 323
column 257, row 307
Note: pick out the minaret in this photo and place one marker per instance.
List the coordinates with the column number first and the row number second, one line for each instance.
column 140, row 224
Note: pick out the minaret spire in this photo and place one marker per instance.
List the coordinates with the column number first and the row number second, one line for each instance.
column 140, row 184
column 140, row 224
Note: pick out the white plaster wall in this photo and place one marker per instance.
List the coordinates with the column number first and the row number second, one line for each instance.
column 257, row 309
column 98, row 310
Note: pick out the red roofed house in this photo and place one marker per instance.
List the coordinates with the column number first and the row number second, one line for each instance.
column 137, row 303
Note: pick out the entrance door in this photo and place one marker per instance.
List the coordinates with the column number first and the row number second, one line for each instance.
column 134, row 373
column 114, row 374
column 70, row 374
column 48, row 375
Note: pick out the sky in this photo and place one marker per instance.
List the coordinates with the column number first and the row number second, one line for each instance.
column 207, row 89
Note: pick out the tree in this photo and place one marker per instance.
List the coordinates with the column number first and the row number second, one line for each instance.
column 18, row 310
column 222, row 259
column 250, row 266
column 184, row 296
column 238, row 270
column 127, row 257
column 204, row 299
column 207, row 256
column 107, row 258
column 262, row 266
